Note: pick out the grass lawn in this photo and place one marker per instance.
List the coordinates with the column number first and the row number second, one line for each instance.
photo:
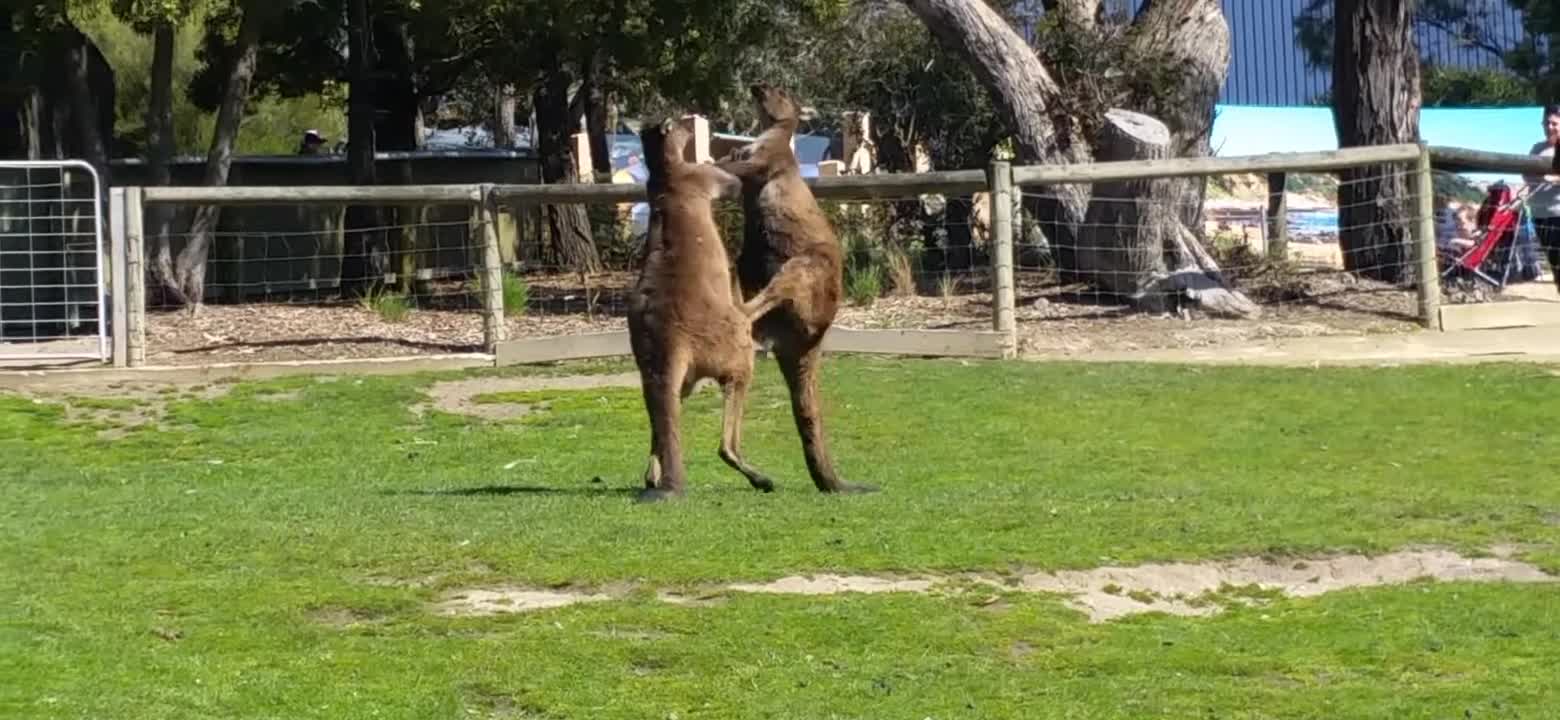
column 271, row 550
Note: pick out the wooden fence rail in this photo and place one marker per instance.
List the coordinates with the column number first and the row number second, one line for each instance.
column 1001, row 178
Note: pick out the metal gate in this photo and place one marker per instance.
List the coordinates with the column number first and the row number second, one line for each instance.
column 53, row 304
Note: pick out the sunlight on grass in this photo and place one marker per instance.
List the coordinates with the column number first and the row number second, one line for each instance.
column 273, row 550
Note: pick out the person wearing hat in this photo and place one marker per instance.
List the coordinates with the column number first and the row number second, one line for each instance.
column 313, row 143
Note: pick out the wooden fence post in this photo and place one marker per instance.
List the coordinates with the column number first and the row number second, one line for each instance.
column 1277, row 246
column 1424, row 237
column 485, row 215
column 118, row 292
column 999, row 175
column 135, row 278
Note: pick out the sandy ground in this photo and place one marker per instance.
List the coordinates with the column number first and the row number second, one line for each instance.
column 1103, row 594
column 1052, row 318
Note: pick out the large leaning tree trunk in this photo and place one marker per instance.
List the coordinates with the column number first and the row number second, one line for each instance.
column 1184, row 49
column 191, row 265
column 1376, row 98
column 92, row 113
column 1030, row 99
column 399, row 130
column 1026, row 95
column 363, row 238
column 159, row 153
column 568, row 224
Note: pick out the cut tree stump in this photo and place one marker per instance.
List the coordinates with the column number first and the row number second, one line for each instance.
column 1133, row 240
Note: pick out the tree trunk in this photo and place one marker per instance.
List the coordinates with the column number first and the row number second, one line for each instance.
column 597, row 104
column 569, row 224
column 363, row 239
column 397, row 97
column 1026, row 95
column 92, row 112
column 191, row 265
column 159, row 152
column 1192, row 39
column 504, row 130
column 1130, row 222
column 1133, row 233
column 1376, row 98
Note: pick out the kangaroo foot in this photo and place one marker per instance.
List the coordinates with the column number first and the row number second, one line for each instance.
column 761, row 483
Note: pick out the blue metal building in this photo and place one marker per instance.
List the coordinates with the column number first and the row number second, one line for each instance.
column 1268, row 67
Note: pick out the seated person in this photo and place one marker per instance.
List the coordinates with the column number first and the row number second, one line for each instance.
column 1456, row 227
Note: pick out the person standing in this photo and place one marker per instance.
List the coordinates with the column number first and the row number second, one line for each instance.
column 1545, row 203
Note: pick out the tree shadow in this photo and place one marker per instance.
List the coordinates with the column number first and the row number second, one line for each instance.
column 317, row 341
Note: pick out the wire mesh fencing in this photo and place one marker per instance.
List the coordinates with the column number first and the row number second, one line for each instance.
column 312, row 281
column 1113, row 256
column 916, row 262
column 1184, row 261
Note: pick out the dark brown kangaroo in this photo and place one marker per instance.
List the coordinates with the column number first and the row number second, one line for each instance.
column 790, row 269
column 684, row 323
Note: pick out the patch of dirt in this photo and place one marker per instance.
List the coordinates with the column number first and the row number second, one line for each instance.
column 1107, row 593
column 457, row 396
column 1053, row 318
column 495, row 601
column 1058, row 320
column 835, row 584
column 265, row 332
column 119, row 408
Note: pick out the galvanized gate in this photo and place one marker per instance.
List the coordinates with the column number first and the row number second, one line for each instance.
column 53, row 304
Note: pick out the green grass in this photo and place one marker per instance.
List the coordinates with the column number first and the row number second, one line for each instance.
column 391, row 306
column 207, row 566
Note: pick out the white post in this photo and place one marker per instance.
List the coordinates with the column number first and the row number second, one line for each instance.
column 118, row 292
column 699, row 125
column 493, row 328
column 1424, row 236
column 135, row 278
column 999, row 175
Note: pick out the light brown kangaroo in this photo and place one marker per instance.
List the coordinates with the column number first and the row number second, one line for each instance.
column 684, row 323
column 790, row 269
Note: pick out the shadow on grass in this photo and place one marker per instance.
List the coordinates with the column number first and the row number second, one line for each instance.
column 599, row 488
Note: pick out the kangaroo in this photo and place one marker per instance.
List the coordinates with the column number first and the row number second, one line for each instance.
column 790, row 270
column 684, row 322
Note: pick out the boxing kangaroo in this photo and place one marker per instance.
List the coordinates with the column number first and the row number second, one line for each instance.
column 790, row 269
column 684, row 323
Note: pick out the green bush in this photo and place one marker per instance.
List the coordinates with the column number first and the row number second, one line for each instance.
column 390, row 306
column 863, row 282
column 517, row 295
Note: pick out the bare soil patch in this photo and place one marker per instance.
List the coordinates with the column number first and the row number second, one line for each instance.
column 494, row 601
column 118, row 408
column 1053, row 318
column 457, row 396
column 1106, row 593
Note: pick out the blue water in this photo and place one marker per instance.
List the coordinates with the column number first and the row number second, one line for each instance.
column 1313, row 221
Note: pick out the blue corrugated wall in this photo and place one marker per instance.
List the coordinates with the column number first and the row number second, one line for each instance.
column 1268, row 67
